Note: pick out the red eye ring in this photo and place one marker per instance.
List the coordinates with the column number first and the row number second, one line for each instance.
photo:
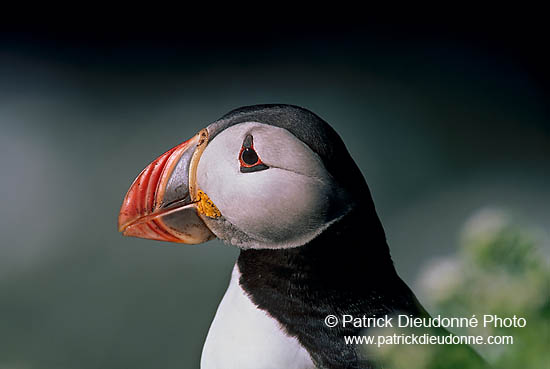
column 248, row 157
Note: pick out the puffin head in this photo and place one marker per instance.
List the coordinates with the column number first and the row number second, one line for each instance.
column 264, row 177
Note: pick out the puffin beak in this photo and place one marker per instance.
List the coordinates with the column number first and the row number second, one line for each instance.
column 161, row 204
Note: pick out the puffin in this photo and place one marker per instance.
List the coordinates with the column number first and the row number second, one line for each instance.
column 277, row 182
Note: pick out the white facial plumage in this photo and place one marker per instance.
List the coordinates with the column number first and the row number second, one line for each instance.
column 283, row 206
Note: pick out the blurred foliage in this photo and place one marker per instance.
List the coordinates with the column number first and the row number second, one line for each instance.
column 499, row 269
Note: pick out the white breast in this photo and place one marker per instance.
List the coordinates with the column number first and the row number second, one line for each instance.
column 245, row 337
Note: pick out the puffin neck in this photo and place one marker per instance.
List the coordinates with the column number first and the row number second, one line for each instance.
column 352, row 250
column 347, row 269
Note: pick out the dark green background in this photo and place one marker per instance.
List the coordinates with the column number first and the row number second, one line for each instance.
column 441, row 124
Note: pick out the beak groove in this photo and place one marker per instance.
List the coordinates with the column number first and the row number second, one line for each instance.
column 144, row 212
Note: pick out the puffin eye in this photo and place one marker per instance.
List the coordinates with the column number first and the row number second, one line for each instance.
column 249, row 159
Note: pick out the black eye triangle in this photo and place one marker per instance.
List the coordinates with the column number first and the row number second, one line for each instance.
column 247, row 143
column 249, row 159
